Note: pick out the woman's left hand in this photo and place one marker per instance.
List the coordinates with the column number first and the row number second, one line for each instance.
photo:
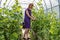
column 34, row 18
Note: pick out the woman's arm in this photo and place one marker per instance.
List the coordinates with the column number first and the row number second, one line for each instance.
column 27, row 13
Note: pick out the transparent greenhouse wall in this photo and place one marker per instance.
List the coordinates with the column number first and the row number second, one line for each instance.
column 59, row 7
column 51, row 6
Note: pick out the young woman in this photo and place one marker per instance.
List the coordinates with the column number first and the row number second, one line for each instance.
column 28, row 16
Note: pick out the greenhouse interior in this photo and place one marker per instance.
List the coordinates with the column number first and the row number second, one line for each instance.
column 45, row 25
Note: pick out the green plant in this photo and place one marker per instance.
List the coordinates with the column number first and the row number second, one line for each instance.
column 10, row 22
column 46, row 26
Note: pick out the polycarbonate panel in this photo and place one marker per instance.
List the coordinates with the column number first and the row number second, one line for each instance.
column 9, row 3
column 23, row 3
column 24, row 6
column 1, row 3
column 56, row 9
column 48, row 3
column 44, row 5
column 36, row 1
column 49, row 10
column 26, row 1
column 12, row 2
column 54, row 2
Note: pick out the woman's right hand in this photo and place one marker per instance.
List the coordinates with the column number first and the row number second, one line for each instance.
column 33, row 18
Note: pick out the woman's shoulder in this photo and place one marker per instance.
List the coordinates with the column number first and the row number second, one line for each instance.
column 26, row 10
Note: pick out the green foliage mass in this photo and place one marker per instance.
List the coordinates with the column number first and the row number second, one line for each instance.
column 46, row 26
column 10, row 22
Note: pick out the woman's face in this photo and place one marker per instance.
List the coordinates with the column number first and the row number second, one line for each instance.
column 31, row 6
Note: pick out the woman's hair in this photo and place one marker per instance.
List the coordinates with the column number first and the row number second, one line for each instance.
column 31, row 4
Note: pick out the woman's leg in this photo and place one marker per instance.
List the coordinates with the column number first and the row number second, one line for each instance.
column 26, row 33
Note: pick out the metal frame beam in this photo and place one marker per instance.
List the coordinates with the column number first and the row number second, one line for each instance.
column 59, row 7
column 51, row 5
column 0, row 3
column 45, row 5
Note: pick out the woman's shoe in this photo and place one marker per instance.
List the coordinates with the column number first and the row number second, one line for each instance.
column 24, row 38
column 28, row 38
